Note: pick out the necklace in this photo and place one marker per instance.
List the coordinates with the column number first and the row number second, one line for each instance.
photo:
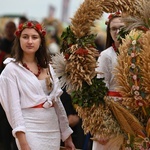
column 39, row 69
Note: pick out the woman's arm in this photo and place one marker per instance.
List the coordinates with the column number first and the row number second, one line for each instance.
column 22, row 140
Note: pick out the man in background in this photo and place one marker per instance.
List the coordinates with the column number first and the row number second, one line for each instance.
column 6, row 138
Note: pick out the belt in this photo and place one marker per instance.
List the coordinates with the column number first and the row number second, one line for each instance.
column 113, row 93
column 40, row 106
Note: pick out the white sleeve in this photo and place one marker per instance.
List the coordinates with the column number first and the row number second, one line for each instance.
column 104, row 68
column 66, row 131
column 10, row 102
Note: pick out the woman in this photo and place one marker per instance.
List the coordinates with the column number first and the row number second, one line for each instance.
column 30, row 93
column 107, row 61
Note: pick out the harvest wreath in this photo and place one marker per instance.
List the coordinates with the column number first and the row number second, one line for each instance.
column 75, row 67
column 133, row 74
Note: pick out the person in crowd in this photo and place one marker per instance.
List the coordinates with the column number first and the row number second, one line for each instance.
column 80, row 140
column 7, row 42
column 22, row 19
column 7, row 140
column 30, row 94
column 106, row 63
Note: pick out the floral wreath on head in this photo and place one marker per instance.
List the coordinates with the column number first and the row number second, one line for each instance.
column 38, row 27
column 112, row 15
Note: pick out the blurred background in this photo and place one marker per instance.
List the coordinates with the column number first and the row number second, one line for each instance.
column 37, row 9
column 55, row 14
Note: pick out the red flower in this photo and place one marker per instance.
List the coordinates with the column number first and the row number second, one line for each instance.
column 29, row 25
column 140, row 103
column 81, row 51
column 117, row 13
column 20, row 26
column 38, row 26
column 17, row 33
column 67, row 56
column 113, row 15
column 110, row 16
column 43, row 32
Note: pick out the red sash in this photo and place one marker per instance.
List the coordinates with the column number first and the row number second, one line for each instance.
column 113, row 93
column 40, row 106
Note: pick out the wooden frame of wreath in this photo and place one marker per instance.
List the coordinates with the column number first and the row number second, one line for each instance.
column 75, row 67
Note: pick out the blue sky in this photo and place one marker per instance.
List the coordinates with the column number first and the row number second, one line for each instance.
column 36, row 9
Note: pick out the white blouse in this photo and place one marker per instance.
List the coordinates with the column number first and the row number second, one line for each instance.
column 21, row 89
column 106, row 63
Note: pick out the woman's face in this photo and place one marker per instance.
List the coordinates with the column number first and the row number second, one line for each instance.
column 115, row 26
column 30, row 40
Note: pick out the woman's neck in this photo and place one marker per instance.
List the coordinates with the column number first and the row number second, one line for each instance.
column 29, row 59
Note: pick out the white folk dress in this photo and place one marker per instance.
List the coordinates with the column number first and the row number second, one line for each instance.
column 106, row 63
column 20, row 91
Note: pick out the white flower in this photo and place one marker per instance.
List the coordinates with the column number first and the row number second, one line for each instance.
column 132, row 54
column 133, row 87
column 133, row 66
column 137, row 87
column 133, row 42
column 135, row 77
column 59, row 65
column 136, row 93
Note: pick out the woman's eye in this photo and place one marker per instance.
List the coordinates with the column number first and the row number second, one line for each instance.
column 24, row 37
column 35, row 37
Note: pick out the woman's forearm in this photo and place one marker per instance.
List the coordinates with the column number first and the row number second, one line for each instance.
column 22, row 140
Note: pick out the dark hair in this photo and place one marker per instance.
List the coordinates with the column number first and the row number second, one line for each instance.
column 22, row 19
column 109, row 39
column 42, row 55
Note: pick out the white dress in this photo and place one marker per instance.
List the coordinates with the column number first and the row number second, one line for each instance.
column 42, row 126
column 21, row 90
column 106, row 63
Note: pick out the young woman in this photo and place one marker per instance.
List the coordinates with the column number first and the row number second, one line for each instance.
column 30, row 93
column 107, row 61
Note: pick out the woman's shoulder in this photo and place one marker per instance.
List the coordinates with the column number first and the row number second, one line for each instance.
column 10, row 65
column 9, row 62
column 108, row 50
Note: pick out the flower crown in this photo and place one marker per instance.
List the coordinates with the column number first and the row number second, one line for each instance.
column 116, row 14
column 29, row 24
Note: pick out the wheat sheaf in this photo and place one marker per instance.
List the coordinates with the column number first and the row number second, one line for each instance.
column 82, row 68
column 81, row 24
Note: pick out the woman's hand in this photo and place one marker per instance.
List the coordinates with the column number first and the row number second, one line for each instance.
column 22, row 141
column 69, row 144
column 102, row 141
column 73, row 120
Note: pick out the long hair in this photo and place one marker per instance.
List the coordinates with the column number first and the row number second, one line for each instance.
column 109, row 39
column 42, row 55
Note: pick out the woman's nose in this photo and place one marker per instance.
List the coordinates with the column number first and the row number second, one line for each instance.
column 30, row 40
